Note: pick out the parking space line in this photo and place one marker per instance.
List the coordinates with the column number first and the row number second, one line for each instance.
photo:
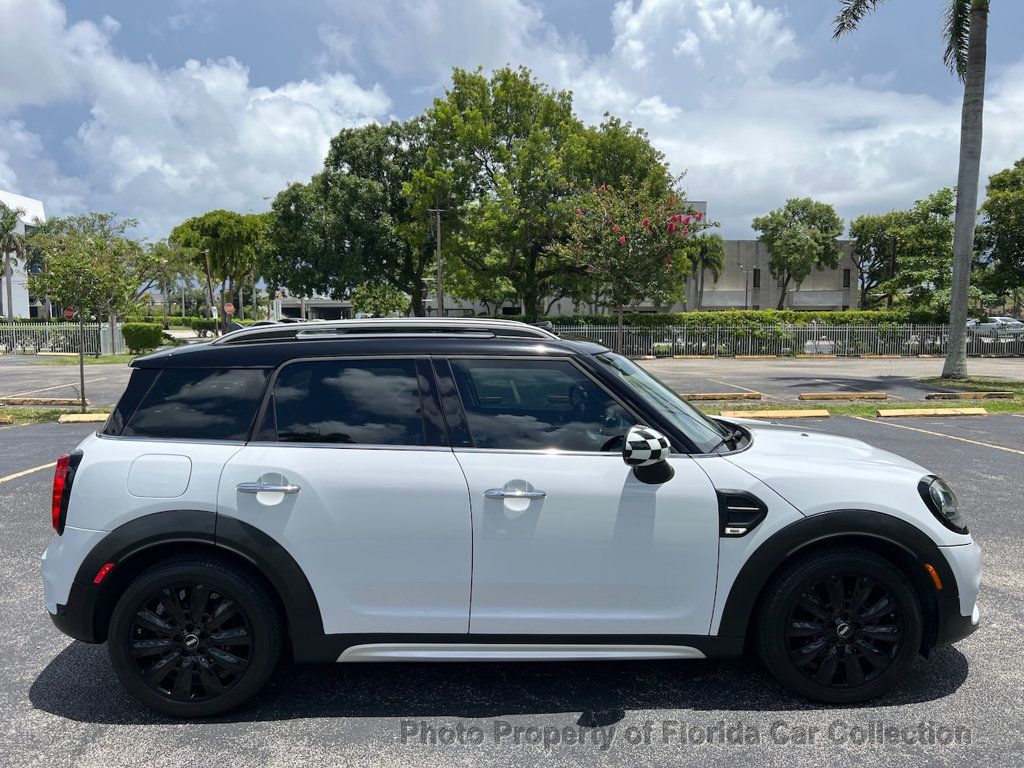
column 737, row 386
column 940, row 434
column 24, row 472
column 840, row 383
column 58, row 386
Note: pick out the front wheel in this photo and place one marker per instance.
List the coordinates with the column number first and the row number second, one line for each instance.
column 840, row 625
column 194, row 637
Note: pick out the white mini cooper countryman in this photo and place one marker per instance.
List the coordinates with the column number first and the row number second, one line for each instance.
column 481, row 490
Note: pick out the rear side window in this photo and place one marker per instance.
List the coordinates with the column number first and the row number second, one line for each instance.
column 367, row 402
column 199, row 404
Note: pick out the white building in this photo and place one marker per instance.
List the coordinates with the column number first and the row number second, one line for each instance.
column 33, row 215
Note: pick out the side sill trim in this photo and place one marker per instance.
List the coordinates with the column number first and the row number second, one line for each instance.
column 511, row 652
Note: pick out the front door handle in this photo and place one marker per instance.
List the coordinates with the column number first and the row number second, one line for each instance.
column 513, row 493
column 259, row 487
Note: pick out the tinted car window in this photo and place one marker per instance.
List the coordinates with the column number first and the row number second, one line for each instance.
column 538, row 405
column 371, row 402
column 199, row 404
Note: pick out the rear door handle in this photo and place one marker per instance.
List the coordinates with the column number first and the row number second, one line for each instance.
column 268, row 488
column 515, row 493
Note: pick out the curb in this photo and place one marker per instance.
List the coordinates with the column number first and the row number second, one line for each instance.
column 720, row 395
column 78, row 418
column 6, row 420
column 969, row 396
column 816, row 357
column 880, row 357
column 843, row 396
column 806, row 414
column 755, row 357
column 893, row 412
column 693, row 357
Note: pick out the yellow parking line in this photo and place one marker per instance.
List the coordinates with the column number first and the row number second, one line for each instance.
column 24, row 472
column 737, row 386
column 940, row 434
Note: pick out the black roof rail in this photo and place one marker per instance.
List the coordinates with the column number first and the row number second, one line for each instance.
column 338, row 329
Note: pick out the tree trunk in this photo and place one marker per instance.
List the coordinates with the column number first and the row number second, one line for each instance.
column 416, row 298
column 209, row 288
column 8, row 280
column 700, row 290
column 955, row 366
column 782, row 295
column 165, row 290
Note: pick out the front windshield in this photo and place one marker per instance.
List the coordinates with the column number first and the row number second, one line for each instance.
column 704, row 432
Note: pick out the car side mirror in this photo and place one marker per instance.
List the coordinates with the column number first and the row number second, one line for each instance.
column 646, row 450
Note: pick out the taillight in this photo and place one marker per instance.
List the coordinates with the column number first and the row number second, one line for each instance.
column 60, row 478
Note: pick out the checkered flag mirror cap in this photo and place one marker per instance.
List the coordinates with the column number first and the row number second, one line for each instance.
column 644, row 447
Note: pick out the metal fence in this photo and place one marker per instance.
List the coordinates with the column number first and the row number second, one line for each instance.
column 791, row 340
column 33, row 338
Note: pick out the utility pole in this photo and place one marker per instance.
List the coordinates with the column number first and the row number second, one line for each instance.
column 440, row 263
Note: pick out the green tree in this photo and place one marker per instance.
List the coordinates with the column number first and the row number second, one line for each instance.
column 965, row 32
column 12, row 250
column 876, row 244
column 506, row 156
column 1000, row 238
column 923, row 237
column 223, row 244
column 354, row 221
column 631, row 243
column 801, row 237
column 84, row 269
column 706, row 252
column 379, row 299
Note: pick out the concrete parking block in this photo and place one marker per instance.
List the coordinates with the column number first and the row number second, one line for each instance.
column 969, row 396
column 77, row 418
column 892, row 412
column 780, row 414
column 721, row 395
column 844, row 396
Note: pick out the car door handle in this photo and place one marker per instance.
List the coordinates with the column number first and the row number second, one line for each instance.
column 515, row 493
column 268, row 488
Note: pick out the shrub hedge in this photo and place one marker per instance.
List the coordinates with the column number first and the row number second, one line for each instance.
column 142, row 337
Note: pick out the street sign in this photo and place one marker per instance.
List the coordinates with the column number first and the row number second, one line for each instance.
column 229, row 308
column 69, row 313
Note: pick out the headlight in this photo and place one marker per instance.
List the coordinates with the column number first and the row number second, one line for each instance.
column 941, row 500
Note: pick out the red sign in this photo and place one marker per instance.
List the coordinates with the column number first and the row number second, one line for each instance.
column 229, row 308
column 69, row 313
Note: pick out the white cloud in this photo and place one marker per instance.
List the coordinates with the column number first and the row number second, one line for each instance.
column 161, row 144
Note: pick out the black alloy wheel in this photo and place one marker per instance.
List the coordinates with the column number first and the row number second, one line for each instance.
column 190, row 642
column 839, row 625
column 844, row 631
column 195, row 636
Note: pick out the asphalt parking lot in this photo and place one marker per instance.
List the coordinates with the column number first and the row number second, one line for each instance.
column 61, row 705
column 26, row 376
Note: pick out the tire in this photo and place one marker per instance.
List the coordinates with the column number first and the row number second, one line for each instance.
column 840, row 625
column 187, row 666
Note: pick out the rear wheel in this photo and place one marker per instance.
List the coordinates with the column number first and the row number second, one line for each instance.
column 840, row 625
column 194, row 637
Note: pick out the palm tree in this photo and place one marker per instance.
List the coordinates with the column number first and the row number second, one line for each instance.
column 12, row 246
column 707, row 253
column 965, row 31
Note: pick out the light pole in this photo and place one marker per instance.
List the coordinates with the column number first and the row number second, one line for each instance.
column 746, row 285
column 440, row 263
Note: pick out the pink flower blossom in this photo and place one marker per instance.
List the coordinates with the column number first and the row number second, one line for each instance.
column 616, row 228
column 699, row 215
column 622, row 240
column 671, row 226
column 685, row 219
column 645, row 223
column 603, row 187
column 579, row 212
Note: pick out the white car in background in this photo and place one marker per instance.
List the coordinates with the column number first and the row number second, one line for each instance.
column 996, row 326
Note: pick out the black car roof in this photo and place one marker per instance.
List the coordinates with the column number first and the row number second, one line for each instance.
column 270, row 353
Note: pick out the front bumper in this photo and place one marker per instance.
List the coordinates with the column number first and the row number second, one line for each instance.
column 959, row 615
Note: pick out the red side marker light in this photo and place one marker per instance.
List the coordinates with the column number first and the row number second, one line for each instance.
column 101, row 574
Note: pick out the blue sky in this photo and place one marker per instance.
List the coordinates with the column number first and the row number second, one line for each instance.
column 164, row 110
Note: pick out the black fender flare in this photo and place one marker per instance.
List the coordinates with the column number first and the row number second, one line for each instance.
column 820, row 528
column 192, row 527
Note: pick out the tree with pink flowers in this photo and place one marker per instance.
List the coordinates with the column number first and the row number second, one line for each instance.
column 631, row 241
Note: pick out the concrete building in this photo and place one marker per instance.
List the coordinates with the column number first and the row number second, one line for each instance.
column 23, row 304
